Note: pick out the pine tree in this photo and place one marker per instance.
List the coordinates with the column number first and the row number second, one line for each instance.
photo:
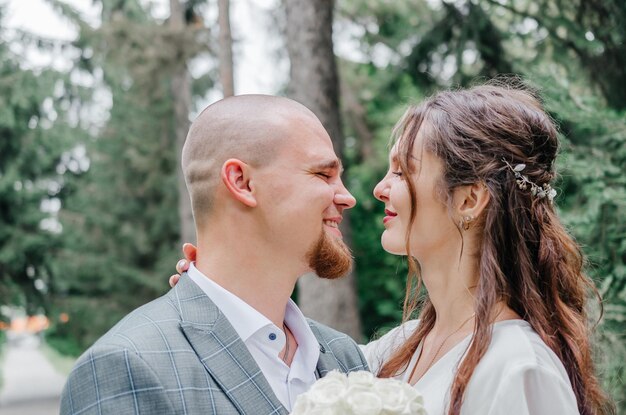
column 121, row 219
column 36, row 139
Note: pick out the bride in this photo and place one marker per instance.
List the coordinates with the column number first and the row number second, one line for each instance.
column 502, row 327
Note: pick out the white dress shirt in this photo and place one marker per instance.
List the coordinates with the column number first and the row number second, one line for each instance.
column 518, row 375
column 265, row 341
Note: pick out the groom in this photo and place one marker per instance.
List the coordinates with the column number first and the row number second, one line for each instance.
column 267, row 199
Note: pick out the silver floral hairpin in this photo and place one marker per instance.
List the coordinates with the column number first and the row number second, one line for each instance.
column 523, row 182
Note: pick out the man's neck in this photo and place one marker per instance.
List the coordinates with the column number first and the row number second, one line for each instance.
column 261, row 280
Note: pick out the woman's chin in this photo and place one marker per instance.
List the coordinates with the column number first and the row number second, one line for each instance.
column 393, row 247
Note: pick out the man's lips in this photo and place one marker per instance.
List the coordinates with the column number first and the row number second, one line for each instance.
column 389, row 215
column 333, row 225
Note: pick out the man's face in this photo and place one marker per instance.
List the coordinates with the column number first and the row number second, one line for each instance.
column 303, row 199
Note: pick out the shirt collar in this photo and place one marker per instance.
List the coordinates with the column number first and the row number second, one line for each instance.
column 244, row 318
column 308, row 345
column 247, row 321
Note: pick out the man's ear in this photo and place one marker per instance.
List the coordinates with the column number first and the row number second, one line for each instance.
column 470, row 201
column 236, row 176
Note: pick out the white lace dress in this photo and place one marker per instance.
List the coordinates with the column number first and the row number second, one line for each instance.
column 519, row 374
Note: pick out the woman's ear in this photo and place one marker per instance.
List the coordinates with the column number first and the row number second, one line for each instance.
column 470, row 201
column 236, row 176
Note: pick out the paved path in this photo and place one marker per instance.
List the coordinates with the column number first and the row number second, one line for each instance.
column 31, row 386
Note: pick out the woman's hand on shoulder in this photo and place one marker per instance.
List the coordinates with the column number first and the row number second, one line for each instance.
column 189, row 252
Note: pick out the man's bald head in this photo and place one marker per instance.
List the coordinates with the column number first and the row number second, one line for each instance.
column 250, row 128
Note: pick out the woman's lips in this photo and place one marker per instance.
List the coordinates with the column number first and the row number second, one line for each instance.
column 389, row 215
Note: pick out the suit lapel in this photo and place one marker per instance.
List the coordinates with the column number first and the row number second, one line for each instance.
column 224, row 354
column 327, row 360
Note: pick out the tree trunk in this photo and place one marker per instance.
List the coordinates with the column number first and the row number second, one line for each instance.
column 181, row 98
column 314, row 83
column 356, row 116
column 225, row 49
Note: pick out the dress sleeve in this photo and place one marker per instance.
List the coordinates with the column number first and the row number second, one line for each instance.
column 534, row 390
column 378, row 351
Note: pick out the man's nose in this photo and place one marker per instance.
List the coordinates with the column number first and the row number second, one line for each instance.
column 344, row 198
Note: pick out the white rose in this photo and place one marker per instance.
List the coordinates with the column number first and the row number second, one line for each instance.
column 362, row 377
column 394, row 395
column 328, row 391
column 415, row 404
column 363, row 400
column 359, row 393
column 335, row 410
column 303, row 405
column 333, row 375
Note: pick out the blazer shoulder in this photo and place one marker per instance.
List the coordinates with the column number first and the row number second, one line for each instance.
column 146, row 325
column 113, row 380
column 328, row 334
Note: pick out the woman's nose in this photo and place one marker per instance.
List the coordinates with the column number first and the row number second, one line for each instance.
column 381, row 191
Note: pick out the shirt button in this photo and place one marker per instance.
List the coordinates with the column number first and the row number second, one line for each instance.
column 272, row 336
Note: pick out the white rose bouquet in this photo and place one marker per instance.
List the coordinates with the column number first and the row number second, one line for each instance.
column 359, row 393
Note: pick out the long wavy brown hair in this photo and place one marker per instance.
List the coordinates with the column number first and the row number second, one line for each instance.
column 527, row 258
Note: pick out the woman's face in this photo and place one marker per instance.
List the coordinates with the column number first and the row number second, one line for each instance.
column 432, row 229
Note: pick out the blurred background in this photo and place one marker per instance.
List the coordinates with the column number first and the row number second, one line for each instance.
column 96, row 97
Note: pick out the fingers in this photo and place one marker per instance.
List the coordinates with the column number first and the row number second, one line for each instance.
column 174, row 280
column 189, row 250
column 182, row 266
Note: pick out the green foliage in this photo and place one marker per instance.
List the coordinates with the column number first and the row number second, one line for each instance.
column 593, row 204
column 120, row 219
column 590, row 33
column 120, row 216
column 34, row 136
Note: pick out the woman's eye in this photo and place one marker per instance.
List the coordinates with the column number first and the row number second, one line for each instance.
column 397, row 173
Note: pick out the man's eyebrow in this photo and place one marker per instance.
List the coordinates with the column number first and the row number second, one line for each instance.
column 330, row 165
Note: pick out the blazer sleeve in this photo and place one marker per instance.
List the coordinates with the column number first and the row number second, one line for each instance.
column 117, row 381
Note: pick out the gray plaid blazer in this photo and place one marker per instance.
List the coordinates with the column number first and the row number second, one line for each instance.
column 179, row 355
